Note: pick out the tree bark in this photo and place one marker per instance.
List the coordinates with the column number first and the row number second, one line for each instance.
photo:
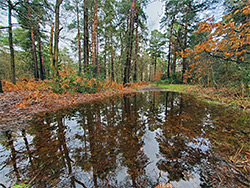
column 36, row 75
column 97, row 41
column 56, row 46
column 169, row 47
column 185, row 45
column 155, row 61
column 1, row 87
column 40, row 53
column 136, row 47
column 86, row 36
column 51, row 48
column 79, row 38
column 174, row 63
column 112, row 59
column 93, row 44
column 95, row 32
column 12, row 60
column 105, row 59
column 130, row 43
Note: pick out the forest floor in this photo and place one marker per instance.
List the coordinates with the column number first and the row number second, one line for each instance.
column 17, row 107
column 224, row 96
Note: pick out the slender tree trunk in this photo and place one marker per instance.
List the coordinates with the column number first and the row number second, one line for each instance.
column 174, row 62
column 93, row 46
column 142, row 70
column 155, row 61
column 1, row 87
column 86, row 36
column 136, row 47
column 56, row 47
column 112, row 59
column 150, row 69
column 96, row 72
column 122, row 46
column 130, row 43
column 121, row 58
column 51, row 49
column 79, row 38
column 40, row 53
column 12, row 60
column 169, row 46
column 105, row 59
column 36, row 75
column 97, row 43
column 184, row 66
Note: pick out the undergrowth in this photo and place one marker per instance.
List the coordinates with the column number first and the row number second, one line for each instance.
column 70, row 82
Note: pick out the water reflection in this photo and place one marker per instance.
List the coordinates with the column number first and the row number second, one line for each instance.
column 139, row 140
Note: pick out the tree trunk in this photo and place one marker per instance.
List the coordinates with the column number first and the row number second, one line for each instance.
column 150, row 69
column 93, row 45
column 174, row 63
column 130, row 43
column 184, row 66
column 79, row 39
column 1, row 87
column 97, row 41
column 105, row 59
column 155, row 61
column 56, row 47
column 36, row 75
column 112, row 59
column 169, row 46
column 86, row 36
column 40, row 53
column 95, row 32
column 136, row 47
column 120, row 77
column 12, row 60
column 51, row 49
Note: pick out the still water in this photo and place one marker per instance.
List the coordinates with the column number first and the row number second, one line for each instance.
column 137, row 140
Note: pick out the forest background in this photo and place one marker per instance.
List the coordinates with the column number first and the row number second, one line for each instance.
column 111, row 46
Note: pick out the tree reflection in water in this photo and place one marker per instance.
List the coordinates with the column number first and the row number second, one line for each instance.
column 104, row 144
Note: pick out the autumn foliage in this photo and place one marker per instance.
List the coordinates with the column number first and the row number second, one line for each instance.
column 69, row 82
column 157, row 76
column 163, row 185
column 227, row 41
column 25, row 84
column 74, row 89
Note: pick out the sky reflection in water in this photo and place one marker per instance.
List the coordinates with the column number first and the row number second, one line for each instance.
column 138, row 140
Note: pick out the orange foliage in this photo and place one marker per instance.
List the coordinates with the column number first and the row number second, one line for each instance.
column 113, row 85
column 157, row 76
column 40, row 92
column 226, row 40
column 25, row 84
column 234, row 37
column 168, row 185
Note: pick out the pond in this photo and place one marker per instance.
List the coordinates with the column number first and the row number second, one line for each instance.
column 137, row 140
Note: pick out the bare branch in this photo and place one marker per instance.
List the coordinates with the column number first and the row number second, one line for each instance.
column 4, row 27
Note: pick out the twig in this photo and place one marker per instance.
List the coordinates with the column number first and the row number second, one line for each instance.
column 35, row 177
column 237, row 153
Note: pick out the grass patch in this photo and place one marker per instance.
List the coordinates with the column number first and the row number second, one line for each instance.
column 209, row 94
column 182, row 88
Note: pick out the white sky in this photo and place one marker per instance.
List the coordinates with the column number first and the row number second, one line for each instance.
column 154, row 12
